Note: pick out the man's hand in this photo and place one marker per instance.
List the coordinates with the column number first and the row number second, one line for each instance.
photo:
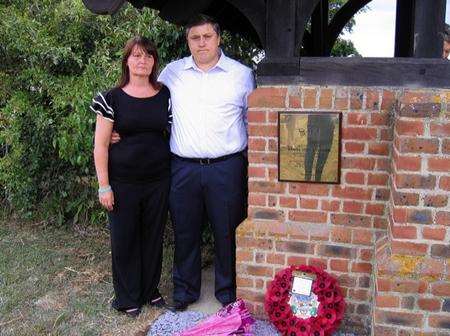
column 115, row 137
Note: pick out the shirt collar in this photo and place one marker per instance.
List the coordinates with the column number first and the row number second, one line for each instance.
column 223, row 63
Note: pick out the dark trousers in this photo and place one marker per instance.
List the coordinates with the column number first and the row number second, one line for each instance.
column 137, row 227
column 216, row 192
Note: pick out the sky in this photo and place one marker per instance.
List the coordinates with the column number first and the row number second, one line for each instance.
column 378, row 23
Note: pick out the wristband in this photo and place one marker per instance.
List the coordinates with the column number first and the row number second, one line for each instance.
column 104, row 189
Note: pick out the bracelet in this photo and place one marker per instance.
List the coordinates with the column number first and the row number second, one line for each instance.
column 104, row 189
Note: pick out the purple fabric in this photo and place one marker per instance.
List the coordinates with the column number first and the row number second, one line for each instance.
column 233, row 319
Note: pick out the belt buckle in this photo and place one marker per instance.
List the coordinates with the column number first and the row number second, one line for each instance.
column 205, row 162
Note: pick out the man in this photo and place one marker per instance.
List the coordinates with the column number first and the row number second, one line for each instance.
column 446, row 46
column 209, row 103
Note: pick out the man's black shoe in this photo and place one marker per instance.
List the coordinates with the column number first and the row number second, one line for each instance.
column 178, row 306
column 158, row 302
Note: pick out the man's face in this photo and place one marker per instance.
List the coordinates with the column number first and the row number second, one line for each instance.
column 446, row 51
column 203, row 43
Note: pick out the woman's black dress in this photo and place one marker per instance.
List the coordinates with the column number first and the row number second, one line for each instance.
column 139, row 172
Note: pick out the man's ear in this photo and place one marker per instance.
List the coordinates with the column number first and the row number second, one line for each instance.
column 218, row 41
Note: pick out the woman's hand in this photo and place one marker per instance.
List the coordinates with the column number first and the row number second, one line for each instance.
column 107, row 200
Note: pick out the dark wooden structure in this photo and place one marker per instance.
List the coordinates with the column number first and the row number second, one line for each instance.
column 281, row 27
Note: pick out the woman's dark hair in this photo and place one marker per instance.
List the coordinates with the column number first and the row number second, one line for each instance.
column 150, row 49
column 201, row 19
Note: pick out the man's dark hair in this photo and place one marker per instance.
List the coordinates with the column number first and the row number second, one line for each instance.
column 202, row 19
column 446, row 33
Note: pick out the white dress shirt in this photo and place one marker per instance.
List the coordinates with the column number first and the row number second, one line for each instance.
column 209, row 108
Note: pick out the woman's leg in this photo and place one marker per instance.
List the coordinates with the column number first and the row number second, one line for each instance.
column 155, row 205
column 125, row 246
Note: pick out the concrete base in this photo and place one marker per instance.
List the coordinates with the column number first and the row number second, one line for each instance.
column 207, row 303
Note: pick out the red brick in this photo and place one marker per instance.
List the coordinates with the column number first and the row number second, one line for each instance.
column 440, row 288
column 249, row 295
column 308, row 189
column 378, row 179
column 379, row 119
column 267, row 97
column 252, row 243
column 358, row 294
column 398, row 318
column 372, row 100
column 258, row 172
column 399, row 215
column 416, row 145
column 309, row 203
column 439, row 164
column 341, row 101
column 309, row 98
column 388, row 100
column 353, row 207
column 444, row 183
column 266, row 187
column 440, row 321
column 259, row 270
column 383, row 285
column 266, row 213
column 326, row 98
column 295, row 101
column 295, row 260
column 440, row 129
column 257, row 199
column 244, row 282
column 409, row 286
column 366, row 254
column 354, row 178
column 404, row 162
column 352, row 193
column 384, row 164
column 359, row 133
column 273, row 145
column 405, row 199
column 356, row 99
column 341, row 234
column 256, row 116
column 362, row 237
column 443, row 218
column 429, row 304
column 308, row 216
column 385, row 331
column 354, row 147
column 330, row 205
column 375, row 209
column 382, row 194
column 339, row 265
column 266, row 158
column 256, row 144
column 409, row 248
column 379, row 149
column 272, row 201
column 294, row 247
column 360, row 267
column 435, row 201
column 288, row 202
column 244, row 256
column 446, row 146
column 416, row 181
column 357, row 119
column 317, row 262
column 263, row 130
column 404, row 232
column 363, row 163
column 276, row 258
column 273, row 174
column 419, row 216
column 380, row 223
column 272, row 116
column 409, row 127
column 351, row 220
column 387, row 301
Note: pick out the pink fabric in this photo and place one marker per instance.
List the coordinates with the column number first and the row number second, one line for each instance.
column 234, row 319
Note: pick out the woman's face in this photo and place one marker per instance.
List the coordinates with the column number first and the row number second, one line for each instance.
column 140, row 63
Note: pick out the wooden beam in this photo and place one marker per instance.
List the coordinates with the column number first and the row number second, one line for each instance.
column 319, row 27
column 341, row 18
column 404, row 28
column 428, row 25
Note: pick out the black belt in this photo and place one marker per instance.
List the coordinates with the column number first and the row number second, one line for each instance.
column 207, row 161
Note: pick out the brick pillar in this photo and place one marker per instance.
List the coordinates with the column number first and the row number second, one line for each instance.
column 412, row 270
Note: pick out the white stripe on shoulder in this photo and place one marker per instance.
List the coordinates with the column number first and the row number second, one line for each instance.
column 109, row 107
column 170, row 104
column 103, row 107
column 100, row 114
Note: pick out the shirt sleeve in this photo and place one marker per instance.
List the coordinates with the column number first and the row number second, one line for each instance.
column 101, row 104
column 249, row 86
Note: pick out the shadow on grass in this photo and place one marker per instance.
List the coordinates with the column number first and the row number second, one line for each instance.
column 57, row 281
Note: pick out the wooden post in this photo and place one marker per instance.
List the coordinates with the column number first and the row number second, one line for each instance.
column 428, row 24
column 404, row 28
column 319, row 29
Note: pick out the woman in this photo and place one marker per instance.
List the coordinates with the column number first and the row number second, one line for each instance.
column 133, row 175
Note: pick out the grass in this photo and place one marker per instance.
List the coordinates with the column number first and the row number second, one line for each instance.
column 57, row 281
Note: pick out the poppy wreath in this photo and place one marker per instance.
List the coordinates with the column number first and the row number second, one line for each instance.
column 331, row 304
